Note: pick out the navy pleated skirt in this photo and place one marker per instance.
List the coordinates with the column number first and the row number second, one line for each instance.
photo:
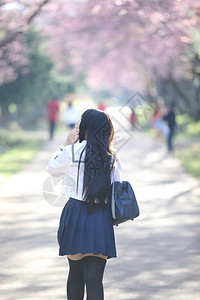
column 82, row 232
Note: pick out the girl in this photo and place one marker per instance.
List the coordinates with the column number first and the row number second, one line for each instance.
column 85, row 232
column 158, row 123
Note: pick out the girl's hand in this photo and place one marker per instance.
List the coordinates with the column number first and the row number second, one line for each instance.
column 73, row 136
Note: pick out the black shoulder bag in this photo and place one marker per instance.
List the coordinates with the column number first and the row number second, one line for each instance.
column 124, row 205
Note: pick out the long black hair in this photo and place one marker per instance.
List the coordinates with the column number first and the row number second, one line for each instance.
column 97, row 128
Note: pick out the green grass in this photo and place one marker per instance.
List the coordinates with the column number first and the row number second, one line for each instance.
column 187, row 128
column 16, row 151
column 190, row 159
column 188, row 133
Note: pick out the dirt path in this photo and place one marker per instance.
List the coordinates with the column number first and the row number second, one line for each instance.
column 158, row 253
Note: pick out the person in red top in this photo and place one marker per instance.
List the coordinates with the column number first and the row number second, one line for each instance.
column 52, row 116
column 102, row 107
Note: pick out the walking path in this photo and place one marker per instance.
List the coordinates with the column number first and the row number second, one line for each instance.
column 158, row 253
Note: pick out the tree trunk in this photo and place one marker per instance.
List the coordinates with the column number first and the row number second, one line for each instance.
column 197, row 110
column 5, row 114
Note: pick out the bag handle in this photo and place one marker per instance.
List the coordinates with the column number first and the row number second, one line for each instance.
column 113, row 190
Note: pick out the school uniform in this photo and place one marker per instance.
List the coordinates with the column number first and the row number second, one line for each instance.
column 79, row 231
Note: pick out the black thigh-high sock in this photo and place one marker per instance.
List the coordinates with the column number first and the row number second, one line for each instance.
column 75, row 282
column 93, row 269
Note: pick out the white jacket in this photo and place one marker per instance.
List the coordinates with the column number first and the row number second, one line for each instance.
column 64, row 163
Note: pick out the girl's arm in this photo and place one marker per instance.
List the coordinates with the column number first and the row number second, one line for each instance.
column 60, row 161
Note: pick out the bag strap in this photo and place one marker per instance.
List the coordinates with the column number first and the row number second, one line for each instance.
column 113, row 189
column 113, row 192
column 113, row 197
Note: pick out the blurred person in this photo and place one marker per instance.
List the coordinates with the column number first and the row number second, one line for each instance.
column 158, row 123
column 133, row 118
column 170, row 118
column 102, row 107
column 52, row 116
column 71, row 115
column 85, row 234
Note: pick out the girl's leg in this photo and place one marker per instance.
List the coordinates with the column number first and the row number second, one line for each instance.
column 93, row 269
column 75, row 282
